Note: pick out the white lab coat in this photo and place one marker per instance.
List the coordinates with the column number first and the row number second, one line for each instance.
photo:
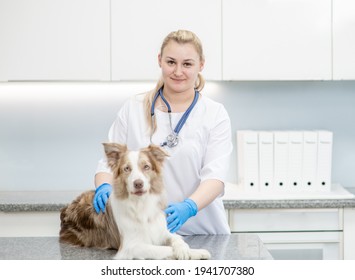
column 203, row 153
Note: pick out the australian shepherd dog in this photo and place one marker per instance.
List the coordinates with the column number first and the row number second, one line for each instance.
column 134, row 221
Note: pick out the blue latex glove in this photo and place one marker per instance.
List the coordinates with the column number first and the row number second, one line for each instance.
column 179, row 213
column 102, row 194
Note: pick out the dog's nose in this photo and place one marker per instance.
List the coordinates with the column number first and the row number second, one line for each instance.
column 138, row 184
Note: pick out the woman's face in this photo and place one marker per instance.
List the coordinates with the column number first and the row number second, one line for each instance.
column 180, row 64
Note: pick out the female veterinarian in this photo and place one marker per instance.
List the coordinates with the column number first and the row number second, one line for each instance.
column 194, row 130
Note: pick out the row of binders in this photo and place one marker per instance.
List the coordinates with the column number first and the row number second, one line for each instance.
column 284, row 161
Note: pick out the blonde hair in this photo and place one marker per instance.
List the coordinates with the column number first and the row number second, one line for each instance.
column 181, row 37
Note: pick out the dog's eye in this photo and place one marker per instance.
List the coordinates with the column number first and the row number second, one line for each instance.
column 146, row 167
column 127, row 169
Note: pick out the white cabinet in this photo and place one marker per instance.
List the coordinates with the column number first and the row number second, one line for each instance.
column 26, row 224
column 54, row 40
column 139, row 27
column 276, row 40
column 118, row 40
column 349, row 233
column 294, row 233
column 343, row 39
column 278, row 220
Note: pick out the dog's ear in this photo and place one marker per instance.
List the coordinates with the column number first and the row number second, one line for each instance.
column 158, row 153
column 113, row 152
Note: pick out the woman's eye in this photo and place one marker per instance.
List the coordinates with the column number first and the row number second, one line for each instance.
column 170, row 62
column 187, row 64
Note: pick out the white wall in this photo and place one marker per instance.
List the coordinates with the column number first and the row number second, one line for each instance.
column 51, row 133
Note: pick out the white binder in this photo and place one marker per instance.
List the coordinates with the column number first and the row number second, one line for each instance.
column 295, row 160
column 266, row 161
column 309, row 162
column 281, row 154
column 324, row 166
column 248, row 158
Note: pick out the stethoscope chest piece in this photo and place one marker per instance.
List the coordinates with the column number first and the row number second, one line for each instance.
column 171, row 140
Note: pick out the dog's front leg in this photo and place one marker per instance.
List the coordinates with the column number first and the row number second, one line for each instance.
column 181, row 249
column 145, row 252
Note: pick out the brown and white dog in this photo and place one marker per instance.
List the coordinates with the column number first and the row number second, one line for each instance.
column 134, row 222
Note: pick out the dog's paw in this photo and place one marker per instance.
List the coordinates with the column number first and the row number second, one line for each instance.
column 181, row 251
column 199, row 254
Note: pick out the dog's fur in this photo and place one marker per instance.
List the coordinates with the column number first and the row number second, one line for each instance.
column 134, row 222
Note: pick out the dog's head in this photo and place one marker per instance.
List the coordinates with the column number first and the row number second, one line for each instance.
column 135, row 173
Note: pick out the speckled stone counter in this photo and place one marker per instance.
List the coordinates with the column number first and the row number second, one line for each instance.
column 35, row 200
column 279, row 204
column 222, row 247
column 338, row 198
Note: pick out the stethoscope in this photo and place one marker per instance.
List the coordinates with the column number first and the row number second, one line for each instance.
column 173, row 138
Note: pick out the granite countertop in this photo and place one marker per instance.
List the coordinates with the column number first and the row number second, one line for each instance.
column 233, row 199
column 221, row 247
column 18, row 201
column 338, row 197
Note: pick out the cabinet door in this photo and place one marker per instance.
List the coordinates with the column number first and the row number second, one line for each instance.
column 139, row 27
column 54, row 40
column 343, row 39
column 276, row 40
column 285, row 220
column 349, row 233
column 321, row 245
column 29, row 224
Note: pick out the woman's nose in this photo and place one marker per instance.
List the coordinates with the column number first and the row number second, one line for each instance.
column 178, row 70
